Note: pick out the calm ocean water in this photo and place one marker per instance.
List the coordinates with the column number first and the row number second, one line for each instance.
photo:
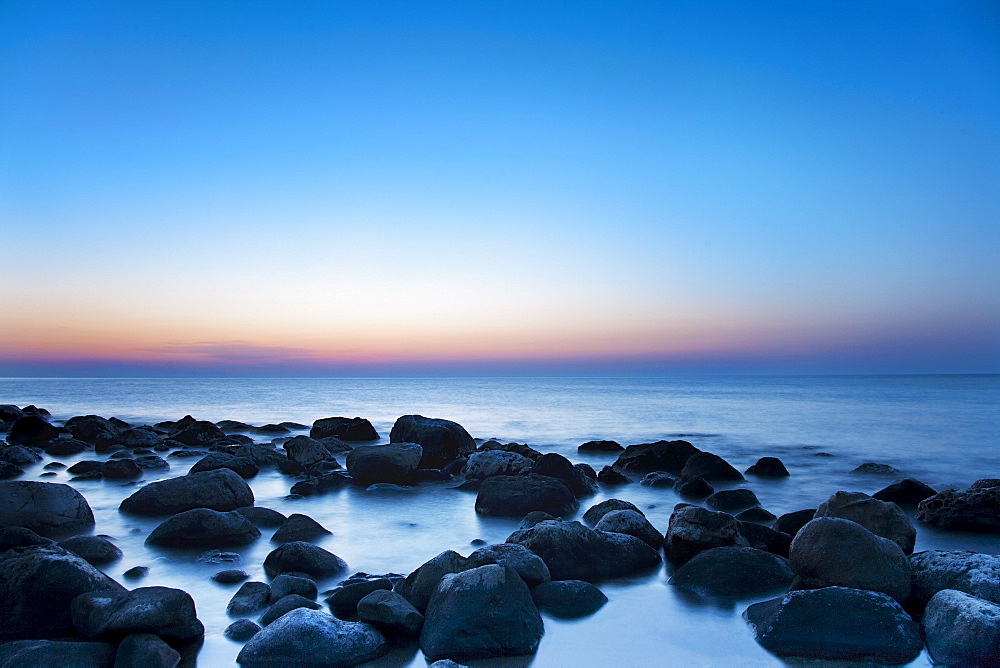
column 942, row 430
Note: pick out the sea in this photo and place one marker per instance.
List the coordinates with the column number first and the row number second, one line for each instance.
column 943, row 430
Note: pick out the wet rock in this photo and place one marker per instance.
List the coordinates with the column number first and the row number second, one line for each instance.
column 33, row 430
column 285, row 605
column 830, row 551
column 64, row 447
column 121, row 469
column 10, row 413
column 735, row 572
column 710, row 467
column 669, row 456
column 977, row 509
column 764, row 538
column 249, row 598
column 49, row 509
column 202, row 527
column 836, row 624
column 91, row 428
column 395, row 463
column 346, row 429
column 228, row 426
column 152, row 463
column 732, row 500
column 883, row 519
column 442, row 440
column 136, row 573
column 756, row 515
column 147, row 650
column 484, row 612
column 632, row 523
column 971, row 572
column 262, row 455
column 110, row 616
column 262, row 517
column 558, row 467
column 568, row 599
column 343, row 601
column 299, row 528
column 231, row 576
column 95, row 550
column 419, row 585
column 20, row 537
column 302, row 557
column 600, row 446
column 328, row 482
column 306, row 451
column 516, row 496
column 19, row 455
column 241, row 630
column 533, row 518
column 271, row 429
column 297, row 638
column 905, row 492
column 487, row 463
column 389, row 610
column 139, row 437
column 693, row 529
column 768, row 467
column 609, row 476
column 51, row 653
column 985, row 483
column 529, row 566
column 9, row 471
column 242, row 466
column 37, row 585
column 790, row 523
column 876, row 469
column 599, row 510
column 658, row 479
column 693, row 487
column 962, row 630
column 197, row 433
column 222, row 490
column 85, row 466
column 575, row 552
column 286, row 584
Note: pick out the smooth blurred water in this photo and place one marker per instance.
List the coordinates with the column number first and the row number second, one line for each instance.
column 942, row 430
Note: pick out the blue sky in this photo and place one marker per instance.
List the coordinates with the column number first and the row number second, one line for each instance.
column 310, row 187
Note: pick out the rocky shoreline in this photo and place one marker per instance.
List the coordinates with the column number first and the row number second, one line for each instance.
column 847, row 585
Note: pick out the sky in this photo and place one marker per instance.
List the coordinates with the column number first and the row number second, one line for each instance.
column 384, row 188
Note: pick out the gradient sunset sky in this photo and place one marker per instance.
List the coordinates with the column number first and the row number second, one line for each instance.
column 499, row 187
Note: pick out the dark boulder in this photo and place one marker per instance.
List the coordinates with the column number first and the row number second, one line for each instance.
column 10, row 413
column 658, row 479
column 91, row 428
column 395, row 463
column 53, row 653
column 306, row 451
column 985, row 483
column 669, row 456
column 221, row 490
column 95, row 550
column 20, row 537
column 905, row 492
column 33, row 430
column 876, row 469
column 249, row 598
column 121, row 469
column 735, row 572
column 768, row 467
column 241, row 630
column 64, row 447
column 139, row 437
column 556, row 466
column 609, row 476
column 231, row 576
column 528, row 565
column 419, row 585
column 262, row 517
column 971, row 572
column 50, row 509
column 836, row 624
column 533, row 518
column 286, row 584
column 146, row 650
column 9, row 471
column 516, row 496
column 962, row 630
column 303, row 557
column 262, row 455
column 343, row 600
column 299, row 527
column 693, row 487
column 306, row 637
column 85, row 466
column 481, row 613
column 764, row 538
column 573, row 551
column 321, row 484
column 110, row 616
column 202, row 527
column 732, row 500
column 346, row 429
column 19, row 455
column 883, row 519
column 974, row 508
column 757, row 515
column 790, row 523
column 693, row 529
column 568, row 599
column 242, row 466
column 286, row 604
column 632, row 523
column 387, row 609
column 600, row 446
column 152, row 463
column 487, row 463
column 442, row 440
column 710, row 467
column 197, row 433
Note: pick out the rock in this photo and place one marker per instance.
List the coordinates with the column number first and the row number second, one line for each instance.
column 231, row 576
column 830, row 551
column 52, row 653
column 837, row 624
column 9, row 471
column 735, row 572
column 597, row 511
column 10, row 413
column 977, row 509
column 302, row 557
column 710, row 467
column 533, row 518
column 152, row 463
column 85, row 466
column 487, row 463
column 693, row 487
column 575, row 552
column 516, row 496
column 388, row 609
column 136, row 573
column 484, row 612
column 529, row 566
column 970, row 572
column 419, row 585
column 139, row 437
column 91, row 428
column 147, row 650
column 49, row 509
column 768, row 467
column 242, row 466
column 221, row 490
column 202, row 527
column 299, row 528
column 262, row 517
column 693, row 529
column 609, row 476
column 272, row 429
column 121, row 469
column 37, row 585
column 263, row 456
column 301, row 636
column 197, row 433
column 442, row 440
column 632, row 523
column 905, row 492
column 111, row 615
column 286, row 584
column 790, row 523
column 962, row 630
column 249, row 598
column 306, row 451
column 756, row 515
column 568, row 599
column 558, row 467
column 732, row 500
column 985, row 483
column 600, row 446
column 64, row 447
column 20, row 537
column 286, row 604
column 328, row 482
column 19, row 455
column 658, row 479
column 395, row 463
column 881, row 518
column 241, row 630
column 33, row 430
column 669, row 456
column 764, row 538
column 95, row 550
column 346, row 429
column 877, row 469
column 343, row 601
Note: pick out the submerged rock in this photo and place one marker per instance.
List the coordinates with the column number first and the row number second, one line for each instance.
column 299, row 527
column 905, row 492
column 600, row 446
column 732, row 500
column 710, row 467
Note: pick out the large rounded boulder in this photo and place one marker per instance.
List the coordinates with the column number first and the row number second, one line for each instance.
column 303, row 557
column 556, row 466
column 110, row 616
column 693, row 529
column 971, row 572
column 49, row 509
column 394, row 463
column 962, row 630
column 443, row 441
column 419, row 585
column 633, row 523
column 669, row 456
column 973, row 508
column 305, row 637
column 221, row 489
column 33, row 430
column 882, row 518
column 735, row 572
column 516, row 496
column 202, row 527
column 488, row 463
column 346, row 429
column 709, row 466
